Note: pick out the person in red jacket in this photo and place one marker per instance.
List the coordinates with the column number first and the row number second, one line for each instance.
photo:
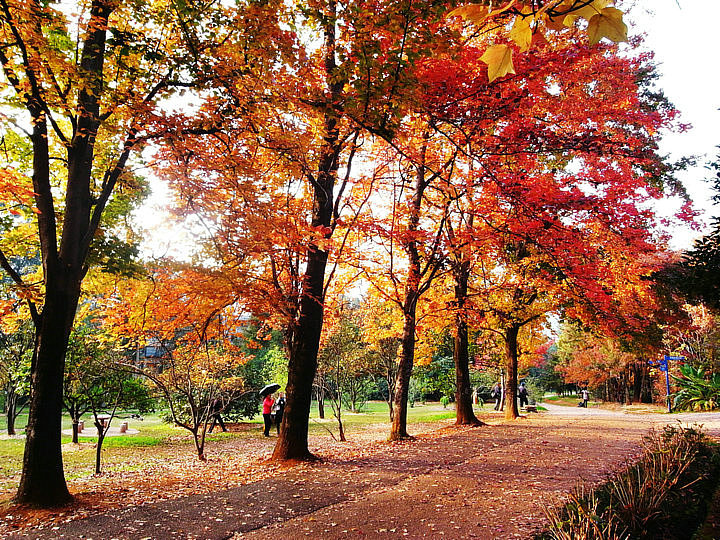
column 268, row 403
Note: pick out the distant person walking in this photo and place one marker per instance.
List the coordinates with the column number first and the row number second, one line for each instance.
column 496, row 394
column 523, row 395
column 216, row 408
column 585, row 395
column 279, row 410
column 267, row 406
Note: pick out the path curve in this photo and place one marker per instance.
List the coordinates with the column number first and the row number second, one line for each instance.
column 708, row 421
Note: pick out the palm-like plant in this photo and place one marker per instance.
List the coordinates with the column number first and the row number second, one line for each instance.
column 697, row 391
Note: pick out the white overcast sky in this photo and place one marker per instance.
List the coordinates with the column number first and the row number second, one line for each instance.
column 684, row 37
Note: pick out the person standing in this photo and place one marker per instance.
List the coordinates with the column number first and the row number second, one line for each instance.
column 585, row 396
column 267, row 406
column 279, row 410
column 496, row 394
column 523, row 395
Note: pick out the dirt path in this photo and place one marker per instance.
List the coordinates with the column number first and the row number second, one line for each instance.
column 489, row 482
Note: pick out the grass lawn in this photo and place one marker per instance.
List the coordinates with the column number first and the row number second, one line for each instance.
column 158, row 440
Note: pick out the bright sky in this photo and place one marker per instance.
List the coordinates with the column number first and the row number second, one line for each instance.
column 683, row 34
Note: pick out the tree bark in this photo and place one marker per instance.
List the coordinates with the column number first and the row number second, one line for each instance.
column 199, row 439
column 43, row 481
column 10, row 412
column 102, row 430
column 511, row 368
column 388, row 348
column 503, row 389
column 398, row 430
column 464, row 414
column 293, row 439
column 390, row 401
column 74, row 410
column 341, row 427
column 320, row 394
column 412, row 295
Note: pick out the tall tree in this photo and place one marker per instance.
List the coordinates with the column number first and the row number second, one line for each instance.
column 87, row 80
column 407, row 231
column 346, row 74
column 383, row 39
column 556, row 203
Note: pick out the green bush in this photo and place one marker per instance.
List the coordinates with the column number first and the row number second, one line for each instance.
column 697, row 391
column 663, row 495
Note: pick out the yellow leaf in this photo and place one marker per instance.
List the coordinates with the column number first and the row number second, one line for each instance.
column 521, row 32
column 478, row 13
column 593, row 8
column 609, row 24
column 499, row 61
column 586, row 12
column 555, row 24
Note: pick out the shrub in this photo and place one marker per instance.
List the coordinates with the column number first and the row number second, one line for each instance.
column 698, row 392
column 662, row 495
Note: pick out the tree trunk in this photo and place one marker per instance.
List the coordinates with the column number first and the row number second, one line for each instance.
column 390, row 380
column 402, row 382
column 412, row 295
column 11, row 412
column 75, row 414
column 646, row 393
column 321, row 402
column 464, row 414
column 43, row 482
column 341, row 428
column 511, row 367
column 200, row 442
column 102, row 430
column 636, row 382
column 293, row 440
column 503, row 389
